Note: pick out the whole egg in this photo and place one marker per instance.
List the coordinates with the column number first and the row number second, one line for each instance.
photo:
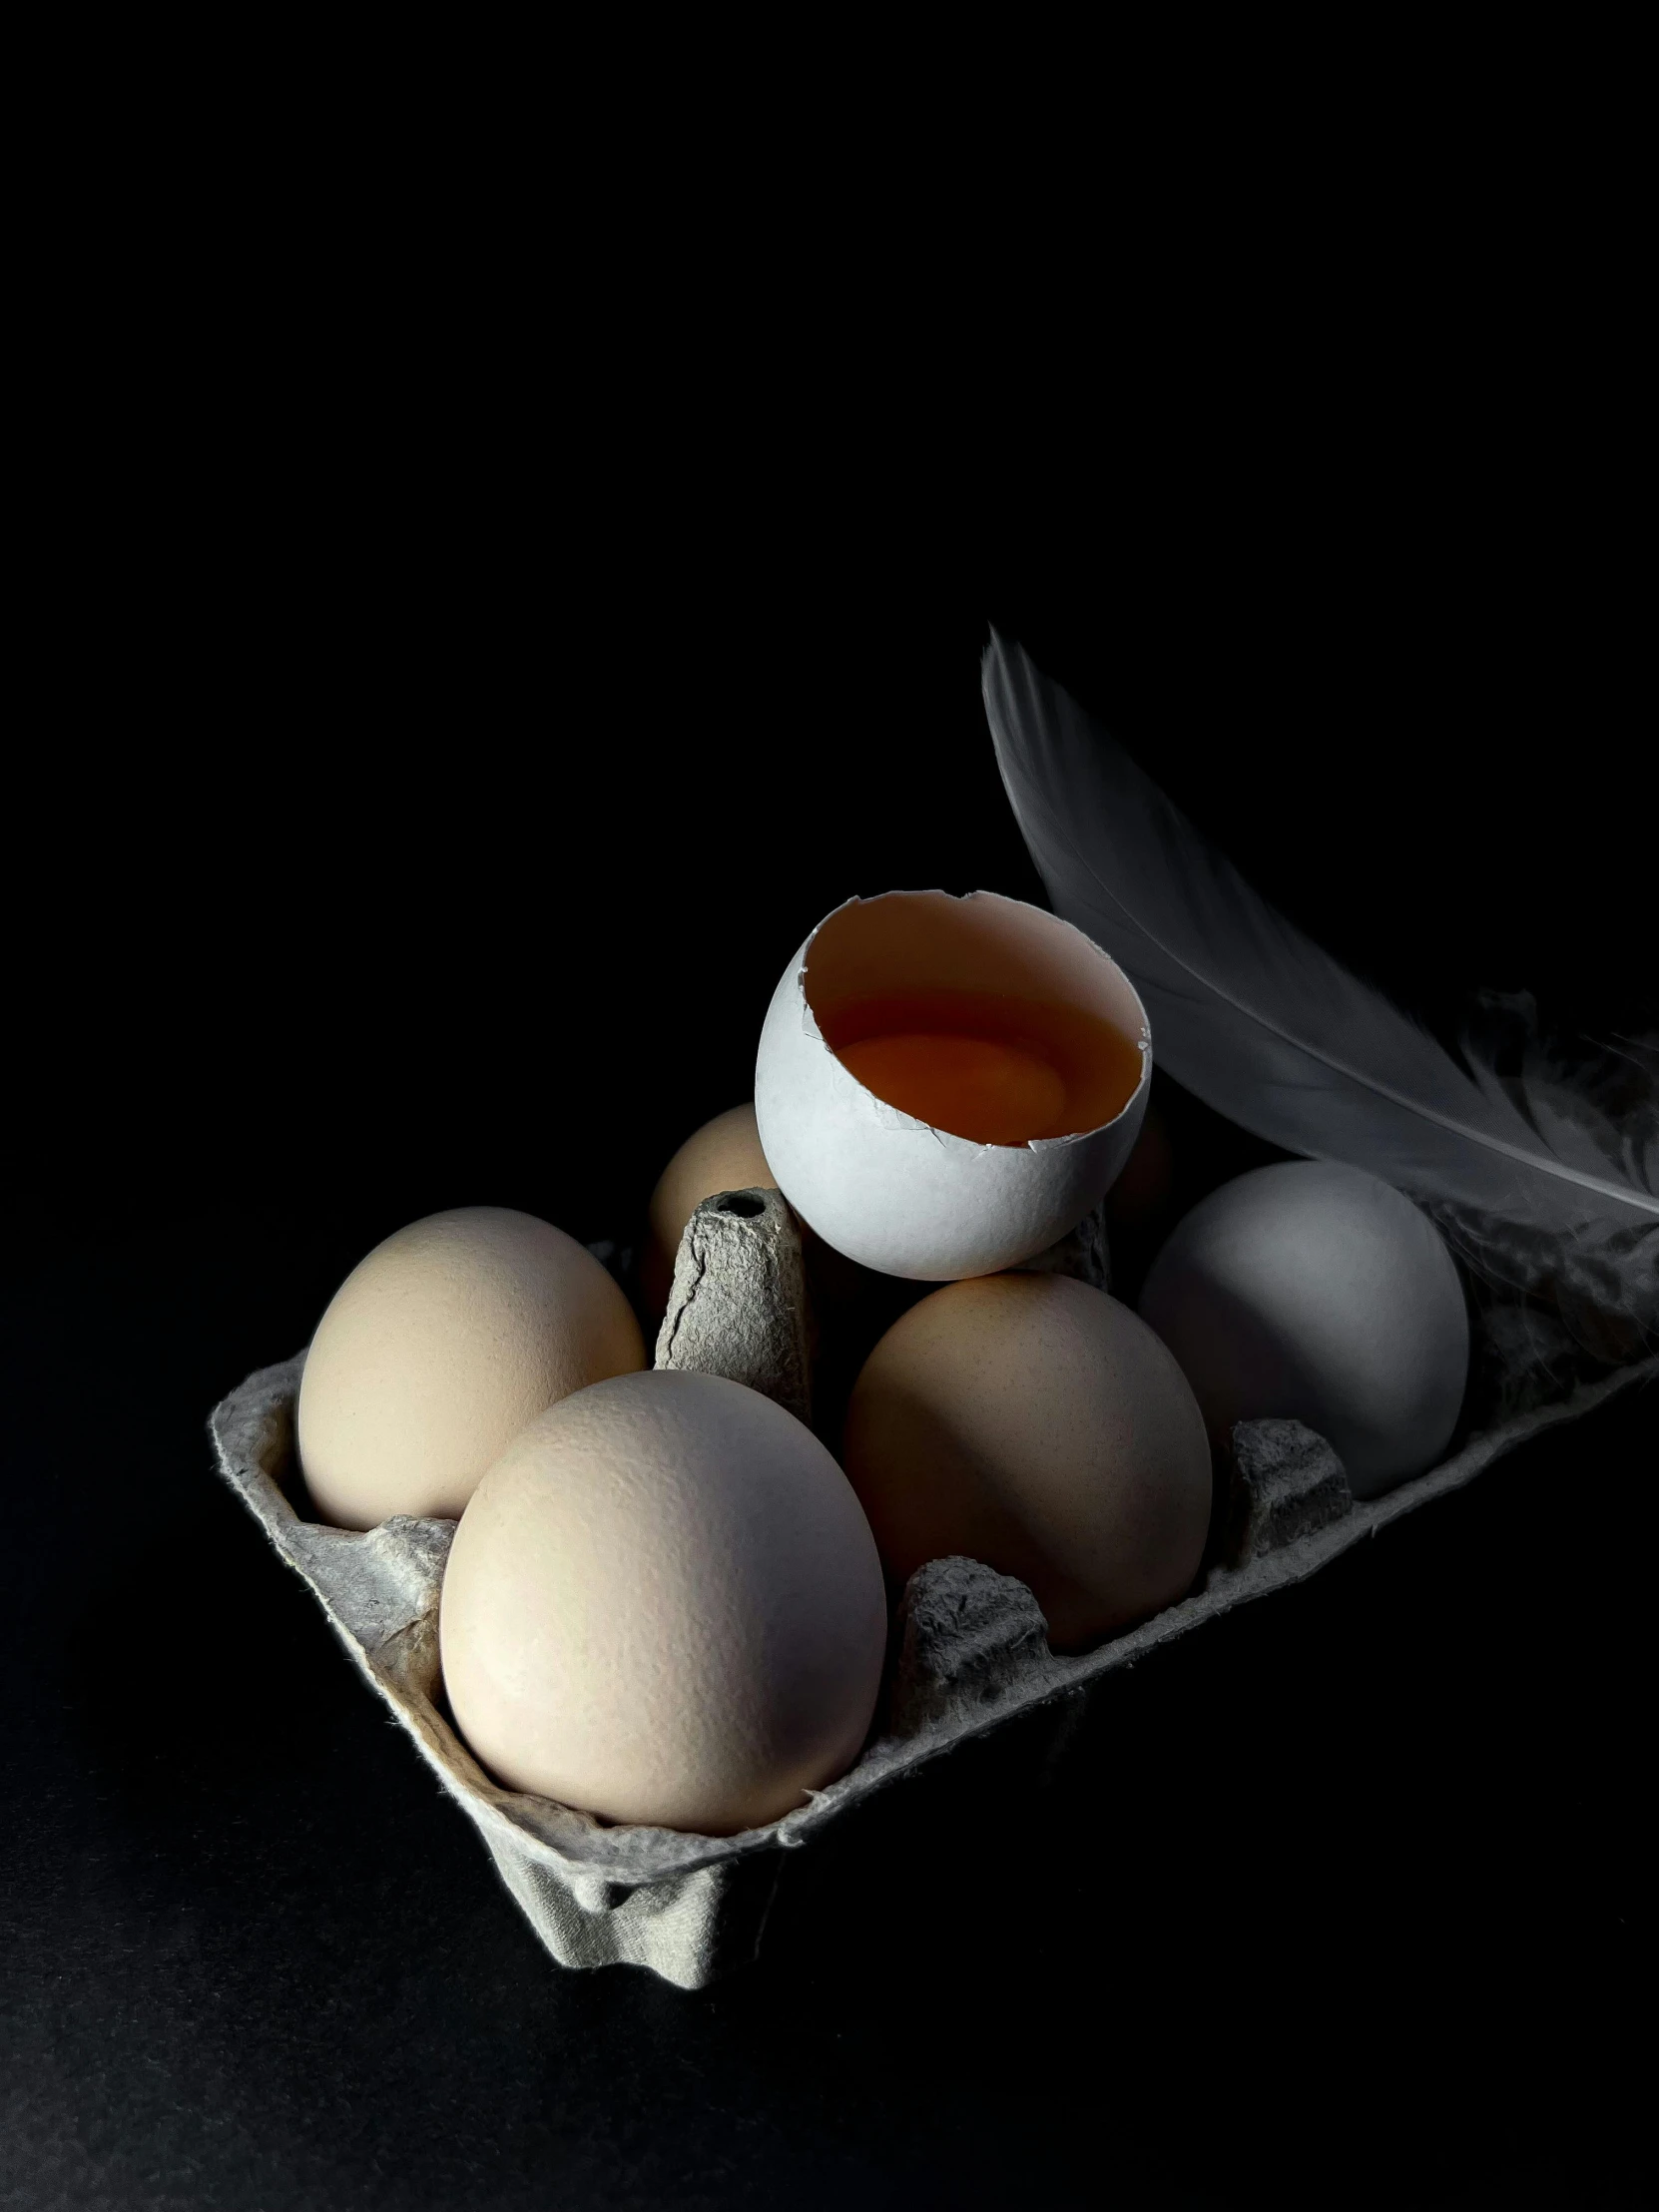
column 1315, row 1292
column 1035, row 1423
column 438, row 1347
column 724, row 1155
column 664, row 1606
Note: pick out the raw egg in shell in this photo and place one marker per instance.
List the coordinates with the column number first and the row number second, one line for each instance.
column 946, row 1086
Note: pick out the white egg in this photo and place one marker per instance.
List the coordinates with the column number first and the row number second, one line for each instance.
column 664, row 1606
column 1317, row 1293
column 946, row 1086
column 438, row 1347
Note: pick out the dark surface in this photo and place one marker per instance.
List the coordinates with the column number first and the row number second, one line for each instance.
column 1368, row 1921
column 475, row 920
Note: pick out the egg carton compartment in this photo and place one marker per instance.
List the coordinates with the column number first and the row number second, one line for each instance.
column 970, row 1648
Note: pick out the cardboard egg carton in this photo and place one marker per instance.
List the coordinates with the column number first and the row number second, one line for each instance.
column 970, row 1649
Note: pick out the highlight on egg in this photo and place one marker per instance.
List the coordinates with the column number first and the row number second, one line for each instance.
column 1035, row 1423
column 946, row 1086
column 664, row 1606
column 438, row 1347
column 1313, row 1292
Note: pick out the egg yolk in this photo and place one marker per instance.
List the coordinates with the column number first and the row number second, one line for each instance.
column 973, row 1087
column 984, row 1065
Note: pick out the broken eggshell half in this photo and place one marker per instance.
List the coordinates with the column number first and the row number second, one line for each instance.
column 897, row 1192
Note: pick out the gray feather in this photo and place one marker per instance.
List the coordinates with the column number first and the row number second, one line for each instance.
column 1536, row 1182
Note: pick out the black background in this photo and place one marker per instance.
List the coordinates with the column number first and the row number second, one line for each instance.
column 424, row 831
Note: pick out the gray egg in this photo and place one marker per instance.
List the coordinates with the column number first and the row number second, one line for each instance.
column 1320, row 1294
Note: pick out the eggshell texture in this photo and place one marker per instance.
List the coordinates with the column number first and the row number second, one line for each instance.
column 724, row 1155
column 664, row 1606
column 886, row 1188
column 1317, row 1293
column 1034, row 1422
column 438, row 1347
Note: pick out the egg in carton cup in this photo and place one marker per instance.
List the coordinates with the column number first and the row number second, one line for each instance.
column 973, row 1649
column 852, row 1093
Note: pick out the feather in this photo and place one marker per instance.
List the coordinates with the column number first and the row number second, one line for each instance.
column 1535, row 1179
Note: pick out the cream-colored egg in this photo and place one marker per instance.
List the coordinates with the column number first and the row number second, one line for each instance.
column 438, row 1347
column 724, row 1155
column 1317, row 1293
column 946, row 1086
column 1034, row 1422
column 664, row 1606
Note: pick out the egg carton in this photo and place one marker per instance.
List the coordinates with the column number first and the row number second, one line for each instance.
column 970, row 1646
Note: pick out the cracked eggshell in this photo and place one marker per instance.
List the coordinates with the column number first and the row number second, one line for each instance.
column 886, row 1188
